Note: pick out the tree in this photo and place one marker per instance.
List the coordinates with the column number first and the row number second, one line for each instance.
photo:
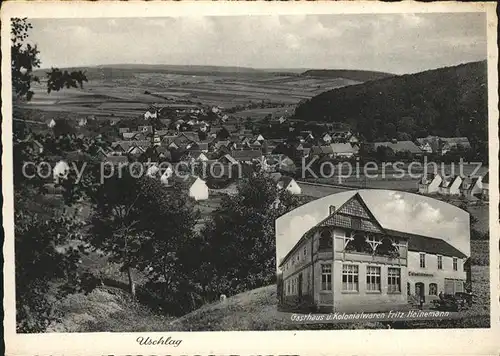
column 140, row 224
column 45, row 265
column 242, row 237
column 25, row 58
column 223, row 134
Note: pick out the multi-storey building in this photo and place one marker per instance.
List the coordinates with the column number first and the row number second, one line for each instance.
column 349, row 262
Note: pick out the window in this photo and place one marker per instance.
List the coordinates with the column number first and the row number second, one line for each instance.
column 308, row 281
column 455, row 264
column 373, row 278
column 288, row 287
column 350, row 278
column 433, row 289
column 325, row 240
column 408, row 288
column 355, row 223
column 305, row 251
column 326, row 277
column 394, row 280
column 440, row 262
column 422, row 260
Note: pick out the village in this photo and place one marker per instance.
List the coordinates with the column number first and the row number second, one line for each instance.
column 214, row 150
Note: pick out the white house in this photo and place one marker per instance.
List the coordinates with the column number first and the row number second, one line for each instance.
column 82, row 122
column 259, row 138
column 195, row 186
column 289, row 184
column 345, row 150
column 152, row 170
column 51, row 123
column 429, row 184
column 167, row 174
column 486, row 186
column 450, row 185
column 60, row 171
column 327, row 138
column 471, row 187
column 353, row 139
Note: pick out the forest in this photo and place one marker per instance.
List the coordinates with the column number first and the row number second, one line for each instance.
column 448, row 102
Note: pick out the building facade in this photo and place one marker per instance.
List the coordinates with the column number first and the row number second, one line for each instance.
column 350, row 263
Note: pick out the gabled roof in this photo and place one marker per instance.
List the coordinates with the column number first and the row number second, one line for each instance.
column 399, row 146
column 486, row 178
column 453, row 141
column 185, row 181
column 230, row 158
column 129, row 135
column 343, row 148
column 115, row 159
column 427, row 179
column 246, row 155
column 449, row 181
column 435, row 246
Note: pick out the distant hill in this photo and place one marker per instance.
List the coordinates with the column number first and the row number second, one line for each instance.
column 118, row 71
column 449, row 101
column 357, row 75
column 114, row 71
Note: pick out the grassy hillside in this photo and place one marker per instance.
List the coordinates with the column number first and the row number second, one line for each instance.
column 111, row 309
column 448, row 101
column 357, row 75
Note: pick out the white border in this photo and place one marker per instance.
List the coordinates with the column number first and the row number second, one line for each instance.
column 360, row 342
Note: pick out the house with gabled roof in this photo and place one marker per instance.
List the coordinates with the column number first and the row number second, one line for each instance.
column 195, row 187
column 286, row 183
column 429, row 183
column 145, row 128
column 450, row 185
column 228, row 159
column 247, row 156
column 129, row 135
column 50, row 123
column 471, row 187
column 449, row 143
column 344, row 150
column 486, row 186
column 400, row 146
column 350, row 262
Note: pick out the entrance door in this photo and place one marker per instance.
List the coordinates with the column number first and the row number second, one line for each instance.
column 420, row 290
column 300, row 286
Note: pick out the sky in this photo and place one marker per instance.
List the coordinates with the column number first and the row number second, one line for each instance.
column 406, row 212
column 394, row 43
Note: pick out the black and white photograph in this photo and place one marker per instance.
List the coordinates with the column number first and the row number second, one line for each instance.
column 317, row 171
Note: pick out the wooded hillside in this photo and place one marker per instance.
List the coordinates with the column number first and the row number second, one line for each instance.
column 449, row 101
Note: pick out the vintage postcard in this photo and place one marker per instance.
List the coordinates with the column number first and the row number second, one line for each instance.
column 222, row 178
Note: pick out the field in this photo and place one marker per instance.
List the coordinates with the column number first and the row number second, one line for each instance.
column 117, row 95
